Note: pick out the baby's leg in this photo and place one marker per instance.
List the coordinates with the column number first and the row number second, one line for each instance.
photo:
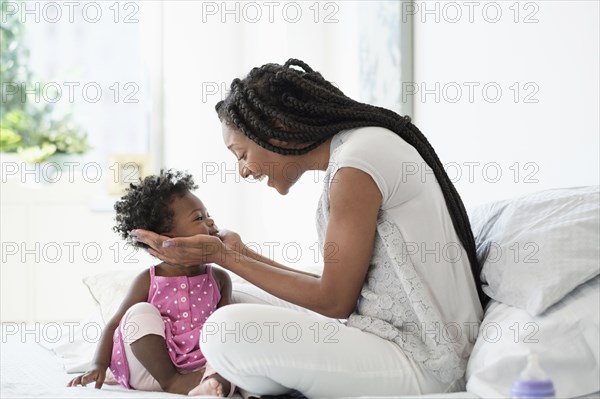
column 150, row 367
column 213, row 384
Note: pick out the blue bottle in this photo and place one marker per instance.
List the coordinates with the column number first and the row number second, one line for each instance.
column 533, row 383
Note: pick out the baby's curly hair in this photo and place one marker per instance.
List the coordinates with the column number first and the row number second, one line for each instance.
column 146, row 203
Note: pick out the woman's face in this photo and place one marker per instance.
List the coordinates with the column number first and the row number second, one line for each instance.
column 281, row 171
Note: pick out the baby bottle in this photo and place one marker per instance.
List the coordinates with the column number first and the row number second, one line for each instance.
column 533, row 382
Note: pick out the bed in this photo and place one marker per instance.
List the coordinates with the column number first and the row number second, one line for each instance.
column 546, row 300
column 30, row 370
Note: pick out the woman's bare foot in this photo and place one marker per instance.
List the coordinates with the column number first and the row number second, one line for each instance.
column 213, row 385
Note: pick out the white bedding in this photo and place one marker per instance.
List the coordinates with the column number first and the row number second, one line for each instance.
column 31, row 369
column 28, row 370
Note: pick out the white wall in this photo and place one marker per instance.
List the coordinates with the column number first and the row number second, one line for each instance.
column 558, row 135
column 51, row 240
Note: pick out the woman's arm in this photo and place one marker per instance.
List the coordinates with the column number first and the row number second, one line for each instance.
column 263, row 259
column 138, row 292
column 354, row 201
column 233, row 241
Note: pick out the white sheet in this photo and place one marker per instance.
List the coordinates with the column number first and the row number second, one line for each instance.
column 77, row 343
column 30, row 371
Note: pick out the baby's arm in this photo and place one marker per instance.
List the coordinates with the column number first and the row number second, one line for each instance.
column 138, row 292
column 222, row 278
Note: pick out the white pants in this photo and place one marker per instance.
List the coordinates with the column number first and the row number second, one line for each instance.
column 268, row 349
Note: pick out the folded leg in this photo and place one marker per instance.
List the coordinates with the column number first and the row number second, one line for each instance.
column 268, row 350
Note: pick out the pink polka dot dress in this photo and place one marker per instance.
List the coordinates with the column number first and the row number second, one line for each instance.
column 184, row 304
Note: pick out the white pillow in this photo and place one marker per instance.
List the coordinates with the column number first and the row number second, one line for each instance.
column 109, row 289
column 565, row 339
column 535, row 249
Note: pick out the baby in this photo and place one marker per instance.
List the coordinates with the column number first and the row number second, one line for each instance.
column 152, row 342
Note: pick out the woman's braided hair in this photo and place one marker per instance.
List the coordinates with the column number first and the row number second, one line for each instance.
column 300, row 106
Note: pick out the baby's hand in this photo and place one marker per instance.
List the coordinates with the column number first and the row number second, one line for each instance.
column 97, row 374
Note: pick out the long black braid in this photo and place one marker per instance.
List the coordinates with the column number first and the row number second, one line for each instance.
column 300, row 106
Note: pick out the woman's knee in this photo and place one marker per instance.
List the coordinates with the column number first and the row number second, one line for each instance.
column 211, row 337
column 230, row 326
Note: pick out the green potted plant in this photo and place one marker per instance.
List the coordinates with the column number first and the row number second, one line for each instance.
column 35, row 132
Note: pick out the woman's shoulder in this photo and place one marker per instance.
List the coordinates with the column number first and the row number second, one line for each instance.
column 372, row 130
column 385, row 156
column 372, row 141
column 366, row 133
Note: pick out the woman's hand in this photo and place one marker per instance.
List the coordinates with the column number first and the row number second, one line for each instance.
column 186, row 251
column 97, row 374
column 232, row 240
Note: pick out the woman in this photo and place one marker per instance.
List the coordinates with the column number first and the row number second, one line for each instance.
column 399, row 255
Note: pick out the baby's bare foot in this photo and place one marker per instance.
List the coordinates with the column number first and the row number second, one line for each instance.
column 182, row 383
column 210, row 387
column 214, row 385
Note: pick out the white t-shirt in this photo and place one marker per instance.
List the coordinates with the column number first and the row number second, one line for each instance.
column 419, row 291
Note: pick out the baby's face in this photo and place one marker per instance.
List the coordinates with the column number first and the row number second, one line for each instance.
column 190, row 217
